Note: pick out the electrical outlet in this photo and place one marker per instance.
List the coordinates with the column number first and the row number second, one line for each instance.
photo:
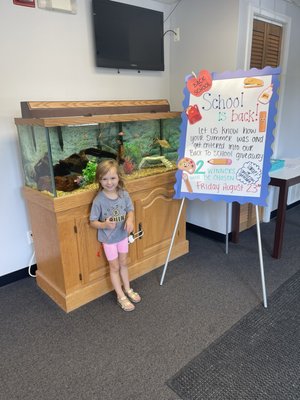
column 29, row 237
column 177, row 35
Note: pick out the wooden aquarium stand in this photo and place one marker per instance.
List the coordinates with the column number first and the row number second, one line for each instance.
column 71, row 266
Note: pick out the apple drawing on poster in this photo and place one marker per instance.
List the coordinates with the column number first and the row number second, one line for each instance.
column 198, row 85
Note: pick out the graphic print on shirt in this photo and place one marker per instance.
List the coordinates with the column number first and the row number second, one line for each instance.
column 116, row 213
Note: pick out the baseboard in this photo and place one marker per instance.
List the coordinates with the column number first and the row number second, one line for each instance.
column 220, row 237
column 274, row 213
column 17, row 275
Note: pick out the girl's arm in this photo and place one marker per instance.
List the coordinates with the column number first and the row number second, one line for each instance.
column 129, row 223
column 107, row 224
column 97, row 224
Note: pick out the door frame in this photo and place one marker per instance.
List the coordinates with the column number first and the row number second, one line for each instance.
column 273, row 16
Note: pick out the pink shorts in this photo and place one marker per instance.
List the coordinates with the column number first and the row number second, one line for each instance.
column 112, row 250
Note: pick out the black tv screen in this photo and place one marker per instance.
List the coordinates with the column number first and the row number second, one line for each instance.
column 127, row 36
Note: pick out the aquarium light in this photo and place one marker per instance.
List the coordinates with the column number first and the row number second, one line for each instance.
column 93, row 124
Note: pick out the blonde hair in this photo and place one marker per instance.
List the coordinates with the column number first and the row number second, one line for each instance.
column 104, row 167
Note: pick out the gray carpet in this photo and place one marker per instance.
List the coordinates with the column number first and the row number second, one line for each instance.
column 258, row 358
column 98, row 352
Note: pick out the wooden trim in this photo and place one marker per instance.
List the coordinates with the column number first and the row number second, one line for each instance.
column 265, row 51
column 45, row 109
column 65, row 203
column 97, row 119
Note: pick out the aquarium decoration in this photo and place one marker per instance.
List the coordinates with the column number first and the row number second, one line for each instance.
column 121, row 149
column 128, row 166
column 89, row 172
column 155, row 161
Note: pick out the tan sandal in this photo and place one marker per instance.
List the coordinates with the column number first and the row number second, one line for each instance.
column 125, row 304
column 133, row 296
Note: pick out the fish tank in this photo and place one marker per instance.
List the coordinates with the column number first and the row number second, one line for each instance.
column 60, row 154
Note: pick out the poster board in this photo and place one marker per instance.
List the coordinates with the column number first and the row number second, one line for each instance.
column 226, row 135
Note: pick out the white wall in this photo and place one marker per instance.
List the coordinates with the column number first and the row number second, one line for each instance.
column 213, row 36
column 208, row 40
column 47, row 55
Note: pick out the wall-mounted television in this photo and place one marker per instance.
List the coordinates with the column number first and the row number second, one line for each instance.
column 127, row 36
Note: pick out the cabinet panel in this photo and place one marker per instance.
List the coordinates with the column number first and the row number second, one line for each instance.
column 91, row 255
column 69, row 255
column 157, row 212
column 48, row 248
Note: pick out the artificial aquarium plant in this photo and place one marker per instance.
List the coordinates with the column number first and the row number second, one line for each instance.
column 88, row 174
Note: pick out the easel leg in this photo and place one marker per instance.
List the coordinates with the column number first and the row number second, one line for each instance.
column 261, row 258
column 171, row 245
column 227, row 215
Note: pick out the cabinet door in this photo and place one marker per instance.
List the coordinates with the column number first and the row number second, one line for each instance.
column 92, row 260
column 157, row 213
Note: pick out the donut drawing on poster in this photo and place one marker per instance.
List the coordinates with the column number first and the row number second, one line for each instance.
column 226, row 135
column 187, row 166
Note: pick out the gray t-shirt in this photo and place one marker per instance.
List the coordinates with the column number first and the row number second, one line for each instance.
column 117, row 209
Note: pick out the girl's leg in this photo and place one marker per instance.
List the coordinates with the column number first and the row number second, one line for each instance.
column 114, row 270
column 117, row 284
column 122, row 254
column 133, row 296
column 124, row 271
column 115, row 277
column 123, row 301
column 111, row 252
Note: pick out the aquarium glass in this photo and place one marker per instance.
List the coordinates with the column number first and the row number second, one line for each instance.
column 36, row 157
column 57, row 159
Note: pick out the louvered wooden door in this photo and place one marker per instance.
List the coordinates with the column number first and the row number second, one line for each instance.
column 266, row 45
column 265, row 51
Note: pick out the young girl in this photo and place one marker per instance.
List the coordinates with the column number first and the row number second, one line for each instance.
column 112, row 214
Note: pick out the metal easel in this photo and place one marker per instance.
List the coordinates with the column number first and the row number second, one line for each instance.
column 226, row 249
